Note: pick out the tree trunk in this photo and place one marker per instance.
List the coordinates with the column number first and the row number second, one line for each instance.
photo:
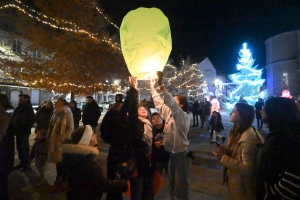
column 72, row 96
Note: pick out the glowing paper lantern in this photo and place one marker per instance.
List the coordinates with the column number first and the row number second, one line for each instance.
column 146, row 41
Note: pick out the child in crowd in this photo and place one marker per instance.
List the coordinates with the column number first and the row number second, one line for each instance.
column 39, row 152
column 217, row 127
column 160, row 157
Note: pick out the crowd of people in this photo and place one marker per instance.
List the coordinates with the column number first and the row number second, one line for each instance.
column 143, row 143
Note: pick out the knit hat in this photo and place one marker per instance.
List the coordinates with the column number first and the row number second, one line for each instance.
column 87, row 136
column 26, row 96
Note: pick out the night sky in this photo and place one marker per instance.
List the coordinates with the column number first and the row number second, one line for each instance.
column 217, row 28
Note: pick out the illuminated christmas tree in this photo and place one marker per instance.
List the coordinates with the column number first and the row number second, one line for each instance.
column 247, row 81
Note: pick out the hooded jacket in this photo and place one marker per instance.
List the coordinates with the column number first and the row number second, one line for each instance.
column 84, row 173
column 177, row 122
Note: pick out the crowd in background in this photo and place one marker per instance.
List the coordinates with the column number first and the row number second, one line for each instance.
column 144, row 144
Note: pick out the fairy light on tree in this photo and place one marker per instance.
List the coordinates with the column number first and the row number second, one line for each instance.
column 189, row 79
column 77, row 53
column 247, row 81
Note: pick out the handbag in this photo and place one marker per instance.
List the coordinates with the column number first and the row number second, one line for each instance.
column 126, row 169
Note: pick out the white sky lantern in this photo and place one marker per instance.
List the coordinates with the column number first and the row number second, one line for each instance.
column 146, row 42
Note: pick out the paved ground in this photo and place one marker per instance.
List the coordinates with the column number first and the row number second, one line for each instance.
column 204, row 179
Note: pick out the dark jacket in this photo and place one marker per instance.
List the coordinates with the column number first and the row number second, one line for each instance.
column 22, row 120
column 159, row 154
column 207, row 108
column 76, row 116
column 218, row 125
column 280, row 155
column 91, row 114
column 117, row 128
column 7, row 145
column 84, row 173
column 195, row 108
column 42, row 118
column 141, row 151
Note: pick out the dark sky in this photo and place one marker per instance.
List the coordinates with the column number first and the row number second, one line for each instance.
column 217, row 28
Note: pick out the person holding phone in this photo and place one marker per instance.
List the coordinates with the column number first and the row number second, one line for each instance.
column 240, row 156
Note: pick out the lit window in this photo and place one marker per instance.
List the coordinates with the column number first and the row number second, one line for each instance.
column 16, row 46
column 285, row 79
column 37, row 54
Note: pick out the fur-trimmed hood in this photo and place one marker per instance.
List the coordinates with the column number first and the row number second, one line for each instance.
column 78, row 149
column 75, row 155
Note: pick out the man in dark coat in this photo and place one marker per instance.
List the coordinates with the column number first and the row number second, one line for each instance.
column 20, row 125
column 91, row 113
column 76, row 113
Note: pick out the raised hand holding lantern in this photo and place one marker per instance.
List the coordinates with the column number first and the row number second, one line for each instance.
column 146, row 42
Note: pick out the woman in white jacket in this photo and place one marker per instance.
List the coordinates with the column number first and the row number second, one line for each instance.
column 174, row 111
column 241, row 154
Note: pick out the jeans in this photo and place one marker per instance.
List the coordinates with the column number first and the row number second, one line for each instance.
column 23, row 150
column 141, row 188
column 195, row 118
column 178, row 176
column 207, row 122
column 111, row 174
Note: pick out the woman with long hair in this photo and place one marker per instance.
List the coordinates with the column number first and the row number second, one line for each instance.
column 279, row 166
column 241, row 154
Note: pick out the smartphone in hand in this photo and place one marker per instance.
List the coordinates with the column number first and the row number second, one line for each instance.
column 216, row 143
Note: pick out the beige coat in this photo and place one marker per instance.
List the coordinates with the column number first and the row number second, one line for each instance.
column 60, row 128
column 243, row 165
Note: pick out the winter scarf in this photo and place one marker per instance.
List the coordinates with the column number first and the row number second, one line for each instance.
column 147, row 136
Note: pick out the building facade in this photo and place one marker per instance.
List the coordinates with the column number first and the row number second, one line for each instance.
column 282, row 63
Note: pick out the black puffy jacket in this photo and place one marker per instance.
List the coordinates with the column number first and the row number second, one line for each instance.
column 84, row 173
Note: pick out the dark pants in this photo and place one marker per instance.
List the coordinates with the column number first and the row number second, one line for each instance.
column 3, row 184
column 161, row 166
column 212, row 132
column 195, row 118
column 261, row 123
column 111, row 174
column 202, row 118
column 23, row 149
column 7, row 156
column 141, row 187
column 60, row 171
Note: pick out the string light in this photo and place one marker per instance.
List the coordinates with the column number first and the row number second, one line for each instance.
column 76, row 28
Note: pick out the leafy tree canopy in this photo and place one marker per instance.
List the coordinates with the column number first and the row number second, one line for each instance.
column 77, row 52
